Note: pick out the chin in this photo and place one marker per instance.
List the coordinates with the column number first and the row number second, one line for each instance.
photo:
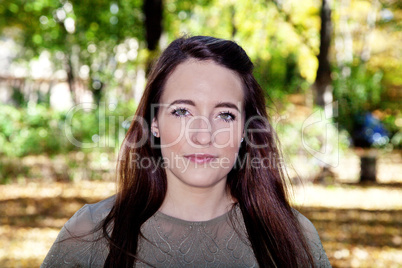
column 202, row 183
column 200, row 177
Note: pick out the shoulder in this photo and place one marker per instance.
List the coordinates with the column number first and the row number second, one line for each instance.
column 100, row 210
column 307, row 226
column 89, row 216
column 313, row 239
column 77, row 245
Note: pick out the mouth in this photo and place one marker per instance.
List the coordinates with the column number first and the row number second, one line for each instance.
column 200, row 158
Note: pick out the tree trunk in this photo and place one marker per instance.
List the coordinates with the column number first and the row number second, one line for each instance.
column 70, row 78
column 368, row 170
column 232, row 20
column 153, row 22
column 153, row 28
column 322, row 86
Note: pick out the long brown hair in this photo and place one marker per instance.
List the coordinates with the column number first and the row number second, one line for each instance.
column 272, row 227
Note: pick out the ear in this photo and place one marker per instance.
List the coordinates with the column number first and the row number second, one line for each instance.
column 155, row 127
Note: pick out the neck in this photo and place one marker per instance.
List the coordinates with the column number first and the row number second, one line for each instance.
column 191, row 203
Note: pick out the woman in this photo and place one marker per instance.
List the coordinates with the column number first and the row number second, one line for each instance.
column 195, row 188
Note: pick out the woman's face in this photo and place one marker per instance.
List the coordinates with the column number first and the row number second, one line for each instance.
column 200, row 123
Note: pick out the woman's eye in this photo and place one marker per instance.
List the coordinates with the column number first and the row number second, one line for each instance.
column 227, row 117
column 180, row 112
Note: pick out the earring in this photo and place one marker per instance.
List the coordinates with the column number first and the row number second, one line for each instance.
column 242, row 139
column 154, row 133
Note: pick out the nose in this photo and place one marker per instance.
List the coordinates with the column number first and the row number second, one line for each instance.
column 201, row 131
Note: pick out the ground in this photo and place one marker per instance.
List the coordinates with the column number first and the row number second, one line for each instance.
column 360, row 226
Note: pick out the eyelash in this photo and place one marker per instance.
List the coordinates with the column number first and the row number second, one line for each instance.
column 233, row 117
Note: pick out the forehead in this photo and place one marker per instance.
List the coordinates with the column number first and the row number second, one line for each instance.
column 203, row 82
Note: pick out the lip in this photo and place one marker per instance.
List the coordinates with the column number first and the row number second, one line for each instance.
column 200, row 158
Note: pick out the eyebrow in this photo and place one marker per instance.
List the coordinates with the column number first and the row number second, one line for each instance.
column 219, row 105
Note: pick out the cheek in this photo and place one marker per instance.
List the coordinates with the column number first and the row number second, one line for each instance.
column 227, row 135
column 227, row 139
column 171, row 130
column 229, row 153
column 171, row 136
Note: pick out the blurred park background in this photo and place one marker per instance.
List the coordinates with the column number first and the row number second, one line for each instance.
column 72, row 73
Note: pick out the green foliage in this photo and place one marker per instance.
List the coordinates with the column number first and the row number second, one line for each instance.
column 40, row 130
column 390, row 124
column 31, row 130
column 282, row 58
column 76, row 33
column 43, row 22
column 280, row 76
column 10, row 169
column 357, row 91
